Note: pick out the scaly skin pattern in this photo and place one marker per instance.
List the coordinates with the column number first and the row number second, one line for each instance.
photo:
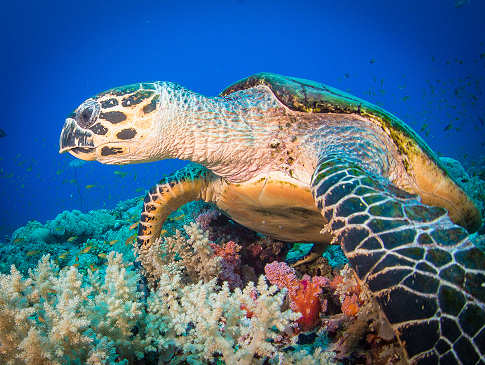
column 173, row 191
column 425, row 272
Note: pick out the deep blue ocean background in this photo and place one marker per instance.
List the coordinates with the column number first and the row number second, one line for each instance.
column 422, row 60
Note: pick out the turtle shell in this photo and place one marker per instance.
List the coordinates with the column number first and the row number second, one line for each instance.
column 436, row 185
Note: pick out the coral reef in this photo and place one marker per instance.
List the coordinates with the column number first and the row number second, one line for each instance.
column 209, row 291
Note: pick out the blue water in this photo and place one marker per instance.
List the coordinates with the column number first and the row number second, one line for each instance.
column 422, row 60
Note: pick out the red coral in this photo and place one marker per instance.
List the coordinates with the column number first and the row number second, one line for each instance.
column 303, row 293
column 350, row 290
column 230, row 263
column 350, row 306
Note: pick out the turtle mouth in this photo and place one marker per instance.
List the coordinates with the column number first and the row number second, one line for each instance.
column 77, row 141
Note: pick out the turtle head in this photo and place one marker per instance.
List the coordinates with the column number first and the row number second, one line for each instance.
column 118, row 126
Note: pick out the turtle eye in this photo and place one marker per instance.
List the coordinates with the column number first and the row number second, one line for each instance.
column 87, row 116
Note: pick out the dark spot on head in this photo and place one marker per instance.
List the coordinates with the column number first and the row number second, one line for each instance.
column 113, row 117
column 136, row 98
column 99, row 129
column 152, row 106
column 82, row 150
column 128, row 133
column 109, row 103
column 106, row 151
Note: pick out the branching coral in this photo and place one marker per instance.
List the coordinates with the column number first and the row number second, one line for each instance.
column 54, row 317
column 193, row 253
column 204, row 320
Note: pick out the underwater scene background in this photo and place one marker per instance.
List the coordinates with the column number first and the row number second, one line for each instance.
column 422, row 61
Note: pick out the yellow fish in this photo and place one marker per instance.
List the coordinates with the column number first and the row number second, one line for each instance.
column 162, row 232
column 63, row 256
column 111, row 243
column 86, row 249
column 102, row 255
column 129, row 239
column 179, row 217
column 33, row 252
column 42, row 320
column 72, row 239
column 134, row 225
column 90, row 186
column 76, row 265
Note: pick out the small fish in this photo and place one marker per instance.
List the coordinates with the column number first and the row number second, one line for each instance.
column 90, row 186
column 2, row 133
column 120, row 173
column 76, row 265
column 448, row 127
column 134, row 225
column 58, row 172
column 346, row 75
column 131, row 238
column 18, row 240
column 93, row 268
column 86, row 249
column 111, row 243
column 59, row 228
column 163, row 231
column 33, row 253
column 460, row 3
column 482, row 121
column 72, row 239
column 64, row 255
column 179, row 217
column 76, row 259
column 102, row 255
column 41, row 319
column 72, row 181
column 372, row 61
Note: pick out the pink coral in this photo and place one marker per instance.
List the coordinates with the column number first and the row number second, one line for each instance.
column 303, row 293
column 205, row 218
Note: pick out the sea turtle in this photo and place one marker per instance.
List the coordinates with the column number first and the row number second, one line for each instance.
column 302, row 161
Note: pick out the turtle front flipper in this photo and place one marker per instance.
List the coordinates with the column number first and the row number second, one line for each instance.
column 425, row 272
column 184, row 185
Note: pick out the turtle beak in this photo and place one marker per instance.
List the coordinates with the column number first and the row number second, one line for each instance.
column 77, row 141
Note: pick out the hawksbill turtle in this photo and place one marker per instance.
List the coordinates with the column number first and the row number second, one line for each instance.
column 301, row 161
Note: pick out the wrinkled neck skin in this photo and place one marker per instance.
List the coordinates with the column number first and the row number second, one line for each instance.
column 250, row 132
column 226, row 134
